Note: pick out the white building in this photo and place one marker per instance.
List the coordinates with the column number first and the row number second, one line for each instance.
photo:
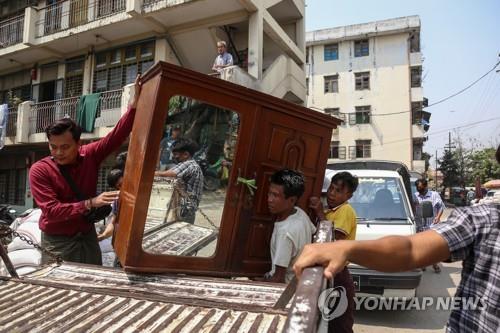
column 369, row 75
column 53, row 51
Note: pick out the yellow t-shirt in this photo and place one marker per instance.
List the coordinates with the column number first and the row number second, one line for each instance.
column 343, row 218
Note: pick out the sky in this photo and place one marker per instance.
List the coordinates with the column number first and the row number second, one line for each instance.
column 460, row 42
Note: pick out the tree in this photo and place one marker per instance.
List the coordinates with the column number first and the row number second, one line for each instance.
column 484, row 165
column 449, row 167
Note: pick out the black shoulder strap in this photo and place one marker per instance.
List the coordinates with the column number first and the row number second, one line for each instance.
column 71, row 183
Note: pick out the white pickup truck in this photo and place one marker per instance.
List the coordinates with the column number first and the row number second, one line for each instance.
column 383, row 207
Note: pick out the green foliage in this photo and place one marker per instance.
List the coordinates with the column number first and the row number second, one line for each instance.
column 448, row 165
column 482, row 164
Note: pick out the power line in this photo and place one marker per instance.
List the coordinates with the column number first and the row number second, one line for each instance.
column 464, row 89
column 428, row 106
column 441, row 131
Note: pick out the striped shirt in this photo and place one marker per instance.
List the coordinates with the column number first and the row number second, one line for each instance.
column 473, row 235
column 437, row 207
column 192, row 178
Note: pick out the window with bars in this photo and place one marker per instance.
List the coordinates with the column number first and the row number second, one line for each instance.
column 362, row 149
column 362, row 81
column 19, row 83
column 13, row 185
column 102, row 179
column 361, row 48
column 416, row 113
column 331, row 52
column 337, row 151
column 119, row 67
column 361, row 116
column 331, row 83
column 416, row 77
column 418, row 146
column 73, row 80
column 415, row 42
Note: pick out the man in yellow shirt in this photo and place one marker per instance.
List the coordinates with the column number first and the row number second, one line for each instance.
column 343, row 218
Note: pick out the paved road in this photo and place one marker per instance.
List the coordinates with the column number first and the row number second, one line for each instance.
column 433, row 284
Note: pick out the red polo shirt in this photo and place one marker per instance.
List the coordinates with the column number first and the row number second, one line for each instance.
column 62, row 212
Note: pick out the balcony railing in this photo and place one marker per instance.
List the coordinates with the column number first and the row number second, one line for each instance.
column 11, row 31
column 72, row 13
column 12, row 122
column 45, row 113
column 109, row 108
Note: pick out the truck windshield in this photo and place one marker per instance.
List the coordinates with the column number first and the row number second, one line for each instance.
column 379, row 198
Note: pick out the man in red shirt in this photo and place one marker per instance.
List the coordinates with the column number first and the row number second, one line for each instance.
column 65, row 231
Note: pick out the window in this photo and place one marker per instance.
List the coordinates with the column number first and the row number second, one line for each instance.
column 337, row 151
column 361, row 116
column 380, row 198
column 118, row 67
column 416, row 113
column 335, row 112
column 73, row 81
column 416, row 77
column 418, row 149
column 415, row 42
column 331, row 84
column 362, row 81
column 362, row 149
column 307, row 86
column 13, row 181
column 361, row 48
column 331, row 52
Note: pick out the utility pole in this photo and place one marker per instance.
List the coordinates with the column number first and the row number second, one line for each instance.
column 436, row 173
column 449, row 146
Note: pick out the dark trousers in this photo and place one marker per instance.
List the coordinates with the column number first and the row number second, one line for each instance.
column 81, row 248
column 344, row 323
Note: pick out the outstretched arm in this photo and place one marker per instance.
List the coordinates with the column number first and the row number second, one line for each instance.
column 387, row 254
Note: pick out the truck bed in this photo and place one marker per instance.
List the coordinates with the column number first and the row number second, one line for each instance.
column 74, row 297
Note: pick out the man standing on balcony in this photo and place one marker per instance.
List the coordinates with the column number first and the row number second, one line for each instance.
column 65, row 229
column 223, row 59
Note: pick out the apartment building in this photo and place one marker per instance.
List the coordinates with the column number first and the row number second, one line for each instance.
column 370, row 76
column 54, row 51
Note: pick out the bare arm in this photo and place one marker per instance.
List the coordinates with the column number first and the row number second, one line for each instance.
column 108, row 231
column 166, row 173
column 387, row 254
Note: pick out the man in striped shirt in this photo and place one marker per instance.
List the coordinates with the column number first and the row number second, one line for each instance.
column 470, row 234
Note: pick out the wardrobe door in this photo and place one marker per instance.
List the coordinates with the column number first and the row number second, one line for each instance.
column 284, row 141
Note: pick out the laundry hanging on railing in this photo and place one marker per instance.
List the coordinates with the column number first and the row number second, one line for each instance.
column 86, row 111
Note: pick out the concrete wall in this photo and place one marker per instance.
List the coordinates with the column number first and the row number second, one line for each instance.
column 390, row 92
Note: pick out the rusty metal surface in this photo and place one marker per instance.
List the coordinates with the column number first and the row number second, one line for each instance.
column 304, row 313
column 177, row 238
column 27, row 307
column 225, row 293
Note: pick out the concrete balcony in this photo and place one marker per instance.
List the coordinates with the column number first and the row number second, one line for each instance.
column 417, row 131
column 280, row 79
column 417, row 94
column 70, row 14
column 418, row 165
column 43, row 114
column 416, row 59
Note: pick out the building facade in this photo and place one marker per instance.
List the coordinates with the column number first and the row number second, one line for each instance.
column 370, row 76
column 54, row 51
